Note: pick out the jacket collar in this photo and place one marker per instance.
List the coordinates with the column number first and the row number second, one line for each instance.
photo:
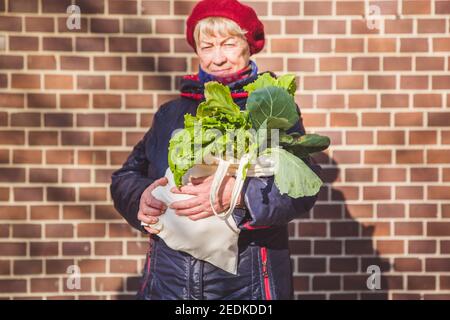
column 192, row 88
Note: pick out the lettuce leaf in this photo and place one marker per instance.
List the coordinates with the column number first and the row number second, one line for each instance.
column 292, row 176
column 286, row 82
column 272, row 105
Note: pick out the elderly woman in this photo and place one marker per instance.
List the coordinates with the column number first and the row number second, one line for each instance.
column 224, row 34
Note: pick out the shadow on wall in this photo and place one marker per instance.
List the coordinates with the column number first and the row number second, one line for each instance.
column 333, row 253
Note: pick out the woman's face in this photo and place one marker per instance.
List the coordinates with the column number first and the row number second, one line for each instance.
column 220, row 55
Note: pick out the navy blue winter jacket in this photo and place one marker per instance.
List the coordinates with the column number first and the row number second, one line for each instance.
column 264, row 267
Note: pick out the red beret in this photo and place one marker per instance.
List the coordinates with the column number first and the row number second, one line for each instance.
column 243, row 15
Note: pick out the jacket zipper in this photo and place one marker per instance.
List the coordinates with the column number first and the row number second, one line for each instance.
column 147, row 276
column 265, row 273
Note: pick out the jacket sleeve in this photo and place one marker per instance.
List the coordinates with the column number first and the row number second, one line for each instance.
column 132, row 179
column 265, row 206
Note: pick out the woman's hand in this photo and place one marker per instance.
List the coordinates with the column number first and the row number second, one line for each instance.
column 199, row 207
column 150, row 207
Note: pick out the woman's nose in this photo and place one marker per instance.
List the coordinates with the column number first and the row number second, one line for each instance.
column 219, row 57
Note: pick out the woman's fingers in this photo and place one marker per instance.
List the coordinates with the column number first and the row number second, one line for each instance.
column 190, row 211
column 151, row 230
column 186, row 204
column 150, row 211
column 147, row 219
column 155, row 203
column 201, row 215
column 188, row 189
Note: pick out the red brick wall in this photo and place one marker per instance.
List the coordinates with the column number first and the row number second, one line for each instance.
column 73, row 103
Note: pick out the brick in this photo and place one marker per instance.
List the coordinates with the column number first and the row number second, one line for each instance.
column 106, row 248
column 138, row 101
column 158, row 7
column 43, row 138
column 91, row 230
column 382, row 45
column 89, row 44
column 11, row 100
column 76, row 212
column 23, row 43
column 107, row 101
column 155, row 45
column 13, row 286
column 89, row 6
column 431, row 25
column 57, row 44
column 23, row 6
column 75, row 138
column 349, row 45
column 58, row 120
column 438, row 119
column 43, row 175
column 108, row 63
column 408, row 264
column 41, row 62
column 137, row 26
column 90, row 120
column 28, row 194
column 140, row 64
column 421, row 283
column 397, row 63
column 441, row 44
column 382, row 82
column 413, row 45
column 398, row 26
column 316, row 46
column 104, row 25
column 91, row 82
column 44, row 212
column 92, row 194
column 171, row 64
column 122, row 44
column 26, row 230
column 76, row 248
column 92, row 157
column 13, row 212
column 122, row 266
column 27, row 156
column 408, row 228
column 442, row 7
column 45, row 285
column 75, row 175
column 10, row 23
column 107, row 138
column 416, row 7
column 284, row 45
column 169, row 26
column 60, row 194
column 317, row 8
column 299, row 26
column 107, row 212
column 121, row 120
column 11, row 62
column 124, row 83
column 25, row 119
column 157, row 83
column 59, row 157
column 122, row 6
column 12, row 175
column 55, row 6
column 365, row 64
column 390, row 100
column 74, row 63
column 333, row 64
column 108, row 283
column 364, row 101
column 44, row 249
column 429, row 63
column 25, row 81
column 92, row 265
column 39, row 24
